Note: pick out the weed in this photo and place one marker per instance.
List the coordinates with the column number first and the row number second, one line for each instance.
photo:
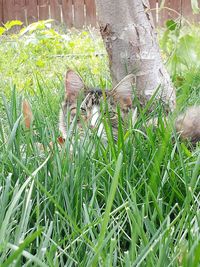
column 133, row 203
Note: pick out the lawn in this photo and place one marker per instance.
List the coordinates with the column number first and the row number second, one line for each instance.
column 130, row 203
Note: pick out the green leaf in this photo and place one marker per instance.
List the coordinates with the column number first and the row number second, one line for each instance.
column 12, row 136
column 12, row 23
column 171, row 24
column 106, row 216
column 18, row 252
column 40, row 63
column 2, row 30
column 39, row 25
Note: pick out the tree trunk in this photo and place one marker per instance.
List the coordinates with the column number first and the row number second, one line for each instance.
column 130, row 38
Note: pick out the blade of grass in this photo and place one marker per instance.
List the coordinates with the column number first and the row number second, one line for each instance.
column 106, row 217
column 29, row 239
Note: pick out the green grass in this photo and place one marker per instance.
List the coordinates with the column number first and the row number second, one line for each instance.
column 133, row 203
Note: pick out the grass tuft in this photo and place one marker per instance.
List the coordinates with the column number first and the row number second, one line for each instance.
column 134, row 202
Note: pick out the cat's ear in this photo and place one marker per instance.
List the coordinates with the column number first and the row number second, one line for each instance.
column 122, row 92
column 27, row 114
column 73, row 85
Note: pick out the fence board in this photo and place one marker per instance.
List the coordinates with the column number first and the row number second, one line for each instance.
column 154, row 11
column 55, row 10
column 1, row 11
column 19, row 10
column 188, row 12
column 67, row 12
column 186, row 8
column 21, row 3
column 164, row 13
column 43, row 9
column 79, row 13
column 90, row 12
column 175, row 9
column 32, row 11
column 8, row 7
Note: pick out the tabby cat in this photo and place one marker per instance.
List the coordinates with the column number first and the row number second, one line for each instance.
column 92, row 107
column 93, row 104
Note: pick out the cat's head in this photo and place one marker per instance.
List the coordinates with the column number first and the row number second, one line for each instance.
column 90, row 104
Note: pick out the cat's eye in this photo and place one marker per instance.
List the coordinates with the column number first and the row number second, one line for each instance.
column 83, row 111
column 112, row 115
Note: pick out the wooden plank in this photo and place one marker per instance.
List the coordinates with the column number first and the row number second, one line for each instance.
column 55, row 10
column 32, row 11
column 186, row 9
column 187, row 12
column 14, row 10
column 7, row 14
column 153, row 8
column 9, row 10
column 90, row 12
column 175, row 9
column 1, row 12
column 19, row 10
column 67, row 13
column 79, row 18
column 164, row 13
column 74, row 11
column 43, row 9
column 21, row 3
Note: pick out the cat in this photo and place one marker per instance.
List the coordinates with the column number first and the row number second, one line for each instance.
column 92, row 106
column 91, row 109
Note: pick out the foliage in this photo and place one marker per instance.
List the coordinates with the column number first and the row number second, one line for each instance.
column 181, row 52
column 195, row 6
column 9, row 25
column 40, row 51
column 180, row 47
column 130, row 203
column 134, row 202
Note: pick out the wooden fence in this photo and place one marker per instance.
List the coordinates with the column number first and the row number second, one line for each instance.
column 172, row 9
column 77, row 13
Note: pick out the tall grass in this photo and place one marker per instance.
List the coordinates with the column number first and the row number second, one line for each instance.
column 134, row 202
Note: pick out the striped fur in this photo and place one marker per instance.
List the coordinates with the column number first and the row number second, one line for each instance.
column 93, row 104
column 90, row 109
column 188, row 124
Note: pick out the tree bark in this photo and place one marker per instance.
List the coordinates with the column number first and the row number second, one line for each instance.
column 129, row 35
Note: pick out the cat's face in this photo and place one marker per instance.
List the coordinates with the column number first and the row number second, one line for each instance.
column 90, row 105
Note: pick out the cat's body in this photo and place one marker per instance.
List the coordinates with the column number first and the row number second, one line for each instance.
column 188, row 124
column 92, row 108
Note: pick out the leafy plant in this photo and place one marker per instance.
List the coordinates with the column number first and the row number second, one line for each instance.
column 130, row 203
column 180, row 47
column 9, row 25
column 41, row 50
